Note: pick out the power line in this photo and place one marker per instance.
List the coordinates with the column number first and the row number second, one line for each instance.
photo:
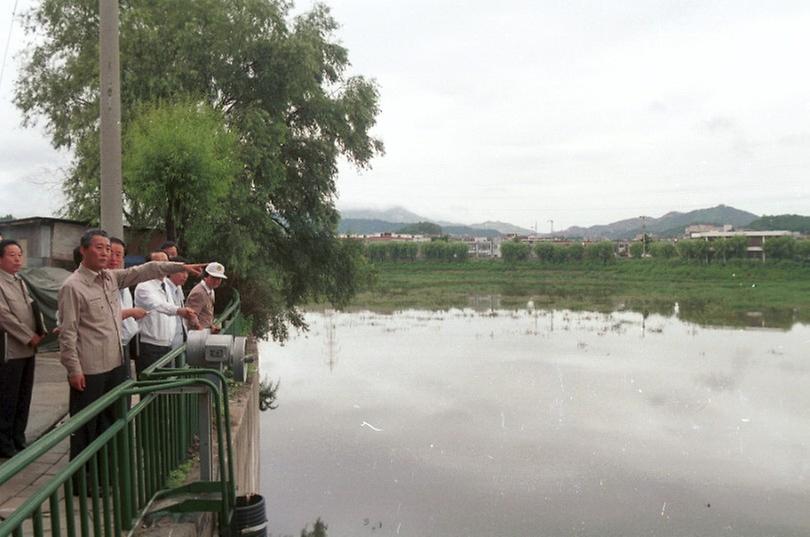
column 8, row 42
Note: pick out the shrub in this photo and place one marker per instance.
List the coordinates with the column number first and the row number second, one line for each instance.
column 663, row 250
column 779, row 248
column 514, row 251
column 603, row 251
column 445, row 251
column 544, row 251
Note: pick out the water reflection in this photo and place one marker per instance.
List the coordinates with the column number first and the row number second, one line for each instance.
column 536, row 422
column 702, row 312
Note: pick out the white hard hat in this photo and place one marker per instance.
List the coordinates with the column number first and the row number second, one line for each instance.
column 216, row 270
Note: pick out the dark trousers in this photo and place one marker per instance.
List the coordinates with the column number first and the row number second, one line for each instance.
column 16, row 385
column 149, row 355
column 127, row 361
column 95, row 387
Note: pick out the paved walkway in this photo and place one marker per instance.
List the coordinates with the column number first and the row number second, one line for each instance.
column 48, row 407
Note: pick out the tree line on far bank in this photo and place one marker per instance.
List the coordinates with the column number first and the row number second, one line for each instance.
column 716, row 251
column 439, row 250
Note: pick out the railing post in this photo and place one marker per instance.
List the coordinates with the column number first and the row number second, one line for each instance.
column 124, row 467
column 204, row 417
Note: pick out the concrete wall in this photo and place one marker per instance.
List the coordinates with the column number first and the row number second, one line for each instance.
column 245, row 434
column 66, row 237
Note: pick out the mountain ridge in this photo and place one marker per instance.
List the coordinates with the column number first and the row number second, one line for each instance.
column 670, row 224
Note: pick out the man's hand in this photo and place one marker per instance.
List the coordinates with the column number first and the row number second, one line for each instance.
column 215, row 329
column 135, row 313
column 35, row 341
column 77, row 381
column 195, row 269
column 188, row 314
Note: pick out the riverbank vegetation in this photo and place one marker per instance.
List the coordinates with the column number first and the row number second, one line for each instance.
column 739, row 292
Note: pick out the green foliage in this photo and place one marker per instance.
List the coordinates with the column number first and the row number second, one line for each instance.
column 574, row 252
column 268, row 393
column 803, row 249
column 636, row 249
column 663, row 250
column 544, row 251
column 281, row 85
column 513, row 251
column 421, row 228
column 179, row 162
column 604, row 252
column 6, row 218
column 392, row 251
column 779, row 247
column 444, row 250
column 179, row 475
column 549, row 252
column 729, row 248
column 403, row 251
column 695, row 249
column 318, row 530
column 782, row 222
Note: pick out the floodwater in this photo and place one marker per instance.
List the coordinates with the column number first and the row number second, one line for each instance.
column 537, row 423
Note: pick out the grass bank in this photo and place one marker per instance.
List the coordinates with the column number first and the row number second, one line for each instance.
column 737, row 293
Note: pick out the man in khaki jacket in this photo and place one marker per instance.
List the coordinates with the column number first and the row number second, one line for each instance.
column 17, row 365
column 201, row 297
column 90, row 337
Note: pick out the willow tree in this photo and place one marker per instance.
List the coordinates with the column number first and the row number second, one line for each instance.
column 282, row 87
column 180, row 162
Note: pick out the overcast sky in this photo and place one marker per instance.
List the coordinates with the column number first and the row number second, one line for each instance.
column 526, row 111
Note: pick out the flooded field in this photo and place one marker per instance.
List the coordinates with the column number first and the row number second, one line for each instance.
column 537, row 423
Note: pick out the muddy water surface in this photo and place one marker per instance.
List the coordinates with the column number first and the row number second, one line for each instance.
column 537, row 423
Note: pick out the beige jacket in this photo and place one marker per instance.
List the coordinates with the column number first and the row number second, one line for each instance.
column 201, row 300
column 16, row 315
column 90, row 309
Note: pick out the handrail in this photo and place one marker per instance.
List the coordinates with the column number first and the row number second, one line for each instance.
column 225, row 407
column 51, row 439
column 124, row 443
column 32, row 503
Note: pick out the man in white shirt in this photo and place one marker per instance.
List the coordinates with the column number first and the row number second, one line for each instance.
column 174, row 288
column 161, row 330
column 129, row 314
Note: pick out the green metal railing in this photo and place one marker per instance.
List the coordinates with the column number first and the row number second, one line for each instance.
column 124, row 474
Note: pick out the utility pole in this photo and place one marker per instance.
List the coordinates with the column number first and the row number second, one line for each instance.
column 112, row 219
column 643, row 236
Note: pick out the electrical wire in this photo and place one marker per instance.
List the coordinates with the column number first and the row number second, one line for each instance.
column 8, row 42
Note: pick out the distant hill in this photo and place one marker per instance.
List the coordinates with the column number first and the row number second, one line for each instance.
column 782, row 222
column 670, row 225
column 504, row 228
column 421, row 228
column 458, row 230
column 367, row 221
column 361, row 226
column 394, row 214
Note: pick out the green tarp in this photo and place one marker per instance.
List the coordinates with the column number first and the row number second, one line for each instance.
column 44, row 284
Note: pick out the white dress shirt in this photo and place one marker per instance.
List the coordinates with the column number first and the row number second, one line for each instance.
column 129, row 326
column 179, row 299
column 160, row 325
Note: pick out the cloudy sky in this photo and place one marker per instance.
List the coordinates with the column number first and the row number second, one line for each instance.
column 583, row 112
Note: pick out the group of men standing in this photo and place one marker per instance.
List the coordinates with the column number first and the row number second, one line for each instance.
column 101, row 327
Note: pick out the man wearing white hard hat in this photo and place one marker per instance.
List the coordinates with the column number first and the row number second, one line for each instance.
column 201, row 298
